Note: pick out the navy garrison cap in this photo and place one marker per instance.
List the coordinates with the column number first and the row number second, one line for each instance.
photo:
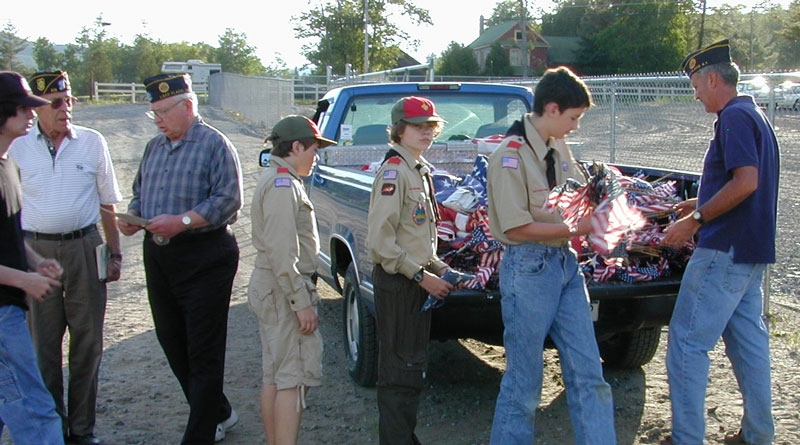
column 45, row 82
column 167, row 85
column 719, row 52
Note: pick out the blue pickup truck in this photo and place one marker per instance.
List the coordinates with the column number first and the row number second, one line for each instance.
column 628, row 317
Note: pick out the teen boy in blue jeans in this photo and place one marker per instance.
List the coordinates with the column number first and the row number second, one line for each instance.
column 543, row 290
column 25, row 404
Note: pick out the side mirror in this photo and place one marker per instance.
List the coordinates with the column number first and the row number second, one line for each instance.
column 263, row 158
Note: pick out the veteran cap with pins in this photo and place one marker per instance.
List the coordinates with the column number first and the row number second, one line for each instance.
column 163, row 86
column 45, row 82
column 719, row 52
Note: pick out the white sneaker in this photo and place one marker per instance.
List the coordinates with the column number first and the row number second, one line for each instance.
column 226, row 425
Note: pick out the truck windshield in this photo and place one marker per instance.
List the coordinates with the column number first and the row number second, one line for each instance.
column 468, row 116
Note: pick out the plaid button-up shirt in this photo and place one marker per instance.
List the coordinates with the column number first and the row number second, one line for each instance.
column 201, row 172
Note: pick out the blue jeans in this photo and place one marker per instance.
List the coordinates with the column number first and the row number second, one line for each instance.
column 25, row 405
column 719, row 298
column 544, row 293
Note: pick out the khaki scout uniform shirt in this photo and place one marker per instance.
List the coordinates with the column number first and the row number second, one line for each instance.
column 284, row 231
column 401, row 222
column 517, row 182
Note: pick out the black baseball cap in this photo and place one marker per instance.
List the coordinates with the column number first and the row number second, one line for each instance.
column 14, row 89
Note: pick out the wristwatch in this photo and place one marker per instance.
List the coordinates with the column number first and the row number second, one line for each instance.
column 419, row 275
column 697, row 216
column 187, row 221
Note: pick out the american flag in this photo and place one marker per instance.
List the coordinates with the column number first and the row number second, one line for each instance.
column 486, row 267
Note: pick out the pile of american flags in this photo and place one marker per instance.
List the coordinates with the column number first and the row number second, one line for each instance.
column 628, row 214
column 465, row 241
column 628, row 217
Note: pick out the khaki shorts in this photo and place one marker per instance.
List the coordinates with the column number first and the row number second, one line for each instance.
column 289, row 359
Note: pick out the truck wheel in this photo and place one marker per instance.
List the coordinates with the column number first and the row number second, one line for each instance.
column 630, row 349
column 360, row 343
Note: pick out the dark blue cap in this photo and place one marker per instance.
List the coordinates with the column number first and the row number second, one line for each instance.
column 163, row 86
column 719, row 52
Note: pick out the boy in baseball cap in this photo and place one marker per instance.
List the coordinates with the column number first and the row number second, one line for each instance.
column 282, row 293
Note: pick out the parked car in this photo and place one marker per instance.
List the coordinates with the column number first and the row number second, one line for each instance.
column 760, row 89
column 790, row 97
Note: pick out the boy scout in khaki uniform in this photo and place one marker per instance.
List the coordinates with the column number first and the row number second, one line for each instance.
column 543, row 291
column 281, row 292
column 402, row 244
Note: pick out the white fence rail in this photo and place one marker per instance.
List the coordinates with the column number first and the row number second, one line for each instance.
column 134, row 92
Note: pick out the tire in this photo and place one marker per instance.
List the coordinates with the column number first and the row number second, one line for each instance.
column 796, row 106
column 630, row 349
column 360, row 342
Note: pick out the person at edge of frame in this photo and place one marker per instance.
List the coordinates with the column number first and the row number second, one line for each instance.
column 25, row 406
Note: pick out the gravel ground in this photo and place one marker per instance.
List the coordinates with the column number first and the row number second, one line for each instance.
column 140, row 402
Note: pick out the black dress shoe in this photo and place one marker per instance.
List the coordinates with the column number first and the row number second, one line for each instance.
column 86, row 439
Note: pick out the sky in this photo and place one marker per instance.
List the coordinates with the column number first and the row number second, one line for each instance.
column 269, row 27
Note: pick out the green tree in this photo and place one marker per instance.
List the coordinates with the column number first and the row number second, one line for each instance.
column 566, row 20
column 336, row 31
column 613, row 42
column 45, row 55
column 10, row 45
column 497, row 62
column 505, row 11
column 236, row 56
column 457, row 60
column 788, row 48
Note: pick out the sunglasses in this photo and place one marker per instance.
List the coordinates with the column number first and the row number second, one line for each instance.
column 57, row 103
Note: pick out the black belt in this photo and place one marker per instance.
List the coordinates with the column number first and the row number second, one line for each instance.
column 80, row 233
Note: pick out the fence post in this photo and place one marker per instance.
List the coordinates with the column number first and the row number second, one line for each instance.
column 133, row 93
column 94, row 91
column 612, row 130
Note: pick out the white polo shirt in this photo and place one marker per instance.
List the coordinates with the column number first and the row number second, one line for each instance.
column 64, row 194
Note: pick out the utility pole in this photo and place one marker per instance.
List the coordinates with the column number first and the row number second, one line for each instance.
column 366, row 36
column 702, row 26
column 524, row 38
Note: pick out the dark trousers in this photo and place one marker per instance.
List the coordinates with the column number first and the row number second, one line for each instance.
column 403, row 333
column 189, row 285
column 79, row 305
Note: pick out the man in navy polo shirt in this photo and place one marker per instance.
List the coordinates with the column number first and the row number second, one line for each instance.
column 721, row 296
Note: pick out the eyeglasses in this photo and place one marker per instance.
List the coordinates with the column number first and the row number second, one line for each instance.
column 57, row 103
column 161, row 114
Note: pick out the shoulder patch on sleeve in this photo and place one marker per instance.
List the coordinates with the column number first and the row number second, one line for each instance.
column 283, row 170
column 394, row 160
column 510, row 162
column 390, row 174
column 514, row 144
column 388, row 189
column 283, row 182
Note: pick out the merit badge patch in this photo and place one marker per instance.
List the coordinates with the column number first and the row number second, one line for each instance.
column 283, row 182
column 510, row 162
column 388, row 189
column 419, row 216
column 390, row 174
